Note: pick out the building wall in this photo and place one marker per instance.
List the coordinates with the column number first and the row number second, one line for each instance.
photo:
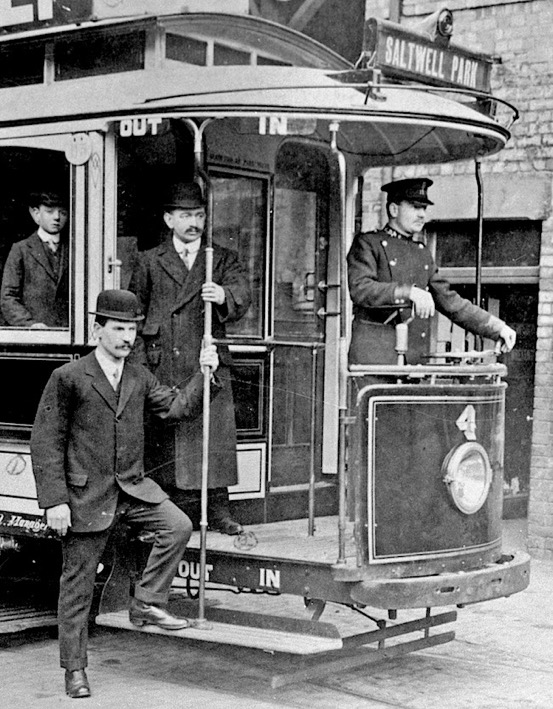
column 517, row 183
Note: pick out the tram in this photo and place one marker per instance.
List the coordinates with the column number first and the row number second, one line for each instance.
column 378, row 488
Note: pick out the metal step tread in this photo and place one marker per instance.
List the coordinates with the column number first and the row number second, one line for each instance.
column 14, row 618
column 267, row 639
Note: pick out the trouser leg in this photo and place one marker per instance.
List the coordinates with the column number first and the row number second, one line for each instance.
column 218, row 504
column 172, row 530
column 81, row 555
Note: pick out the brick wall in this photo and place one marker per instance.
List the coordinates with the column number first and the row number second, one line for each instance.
column 519, row 33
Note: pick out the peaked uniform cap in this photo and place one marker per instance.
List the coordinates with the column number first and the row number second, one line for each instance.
column 184, row 195
column 118, row 305
column 411, row 190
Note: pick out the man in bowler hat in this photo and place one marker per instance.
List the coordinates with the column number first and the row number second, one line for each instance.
column 87, row 447
column 391, row 268
column 170, row 284
column 35, row 284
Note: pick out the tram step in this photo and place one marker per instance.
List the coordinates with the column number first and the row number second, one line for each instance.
column 14, row 619
column 261, row 638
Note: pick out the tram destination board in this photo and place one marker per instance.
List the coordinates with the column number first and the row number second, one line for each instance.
column 402, row 54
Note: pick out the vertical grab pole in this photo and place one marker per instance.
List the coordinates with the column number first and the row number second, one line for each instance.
column 342, row 354
column 480, row 219
column 312, row 437
column 207, row 340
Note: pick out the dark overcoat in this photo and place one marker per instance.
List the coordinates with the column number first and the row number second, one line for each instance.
column 379, row 262
column 32, row 291
column 87, row 442
column 170, row 296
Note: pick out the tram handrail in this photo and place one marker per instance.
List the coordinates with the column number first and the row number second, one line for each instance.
column 420, row 371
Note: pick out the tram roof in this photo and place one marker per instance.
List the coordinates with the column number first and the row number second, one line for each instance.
column 399, row 125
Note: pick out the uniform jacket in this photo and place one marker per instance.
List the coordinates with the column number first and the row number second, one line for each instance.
column 31, row 291
column 87, row 442
column 379, row 262
column 170, row 296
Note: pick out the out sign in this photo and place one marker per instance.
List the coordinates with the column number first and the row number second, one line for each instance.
column 139, row 126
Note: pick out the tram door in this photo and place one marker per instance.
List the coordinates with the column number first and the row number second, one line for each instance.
column 301, row 223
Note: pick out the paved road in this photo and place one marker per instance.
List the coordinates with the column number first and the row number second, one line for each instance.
column 502, row 658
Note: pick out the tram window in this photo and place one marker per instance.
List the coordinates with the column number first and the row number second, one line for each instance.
column 239, row 223
column 21, row 64
column 34, row 276
column 109, row 54
column 17, row 412
column 227, row 56
column 505, row 243
column 267, row 61
column 301, row 239
column 185, row 49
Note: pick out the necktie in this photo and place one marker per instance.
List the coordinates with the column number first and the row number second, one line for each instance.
column 185, row 255
column 115, row 379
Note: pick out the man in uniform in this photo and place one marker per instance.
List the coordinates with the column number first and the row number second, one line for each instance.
column 170, row 284
column 391, row 268
column 35, row 284
column 87, row 449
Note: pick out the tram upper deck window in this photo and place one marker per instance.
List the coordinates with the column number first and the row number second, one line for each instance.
column 21, row 64
column 185, row 49
column 34, row 242
column 101, row 54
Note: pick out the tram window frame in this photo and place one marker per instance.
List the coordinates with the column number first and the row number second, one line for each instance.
column 107, row 53
column 19, row 221
column 258, row 284
column 21, row 64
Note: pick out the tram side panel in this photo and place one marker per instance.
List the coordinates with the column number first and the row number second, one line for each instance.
column 430, row 467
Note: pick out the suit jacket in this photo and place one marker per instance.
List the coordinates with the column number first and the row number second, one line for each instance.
column 31, row 290
column 170, row 297
column 378, row 262
column 87, row 442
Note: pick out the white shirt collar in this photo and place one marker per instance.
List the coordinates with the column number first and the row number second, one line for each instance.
column 46, row 237
column 192, row 247
column 107, row 365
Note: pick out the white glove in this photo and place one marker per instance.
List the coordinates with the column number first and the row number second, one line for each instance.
column 507, row 339
column 422, row 301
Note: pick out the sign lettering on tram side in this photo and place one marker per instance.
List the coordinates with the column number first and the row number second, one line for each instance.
column 27, row 14
column 402, row 54
column 28, row 525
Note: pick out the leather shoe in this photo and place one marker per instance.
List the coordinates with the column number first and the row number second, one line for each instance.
column 76, row 684
column 226, row 525
column 143, row 614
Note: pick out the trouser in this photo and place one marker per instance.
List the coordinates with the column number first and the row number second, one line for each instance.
column 189, row 501
column 82, row 554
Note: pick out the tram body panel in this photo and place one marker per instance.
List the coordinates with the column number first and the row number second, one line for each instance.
column 409, row 432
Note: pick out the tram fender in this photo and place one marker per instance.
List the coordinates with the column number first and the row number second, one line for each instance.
column 508, row 575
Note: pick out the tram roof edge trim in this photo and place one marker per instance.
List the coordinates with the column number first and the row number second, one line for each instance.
column 399, row 126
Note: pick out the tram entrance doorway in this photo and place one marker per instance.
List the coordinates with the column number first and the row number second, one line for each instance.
column 301, row 222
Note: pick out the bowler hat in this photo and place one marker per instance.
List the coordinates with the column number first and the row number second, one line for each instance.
column 118, row 305
column 184, row 195
column 411, row 190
